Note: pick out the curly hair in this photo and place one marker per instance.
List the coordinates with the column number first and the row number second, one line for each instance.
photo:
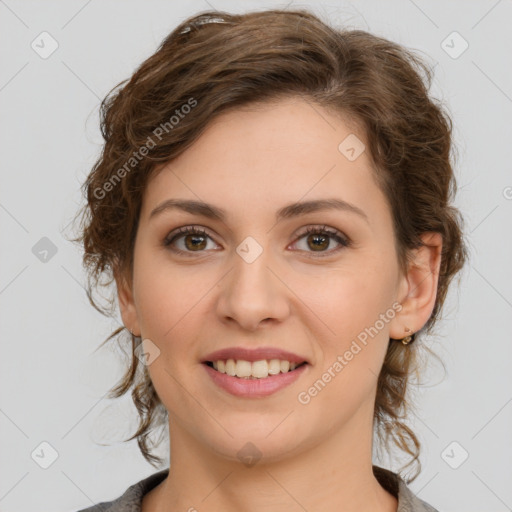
column 214, row 62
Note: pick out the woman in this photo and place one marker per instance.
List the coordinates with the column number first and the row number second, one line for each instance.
column 273, row 201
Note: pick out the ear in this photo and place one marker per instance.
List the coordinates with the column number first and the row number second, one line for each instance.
column 418, row 287
column 127, row 304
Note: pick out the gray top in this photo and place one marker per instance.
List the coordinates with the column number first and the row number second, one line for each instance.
column 131, row 500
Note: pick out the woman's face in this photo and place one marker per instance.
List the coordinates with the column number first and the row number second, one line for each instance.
column 258, row 282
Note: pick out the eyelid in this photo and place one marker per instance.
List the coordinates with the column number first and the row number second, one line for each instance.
column 184, row 230
column 343, row 240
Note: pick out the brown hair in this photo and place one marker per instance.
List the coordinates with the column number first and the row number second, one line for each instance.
column 215, row 61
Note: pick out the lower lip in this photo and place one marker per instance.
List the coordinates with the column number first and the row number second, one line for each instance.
column 254, row 388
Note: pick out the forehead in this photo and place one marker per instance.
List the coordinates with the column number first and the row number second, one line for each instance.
column 255, row 159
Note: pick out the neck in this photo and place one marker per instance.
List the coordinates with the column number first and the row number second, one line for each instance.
column 334, row 475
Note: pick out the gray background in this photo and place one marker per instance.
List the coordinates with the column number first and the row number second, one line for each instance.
column 52, row 382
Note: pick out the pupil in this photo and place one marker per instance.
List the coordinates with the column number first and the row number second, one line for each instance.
column 316, row 237
column 195, row 244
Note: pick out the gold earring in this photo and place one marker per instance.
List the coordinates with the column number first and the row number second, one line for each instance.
column 408, row 338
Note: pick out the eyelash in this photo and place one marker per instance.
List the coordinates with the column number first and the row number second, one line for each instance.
column 343, row 240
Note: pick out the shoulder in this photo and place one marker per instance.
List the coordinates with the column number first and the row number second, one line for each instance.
column 131, row 499
column 407, row 500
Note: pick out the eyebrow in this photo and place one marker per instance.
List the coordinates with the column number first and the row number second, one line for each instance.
column 287, row 212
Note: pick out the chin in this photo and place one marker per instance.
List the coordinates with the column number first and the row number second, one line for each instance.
column 266, row 442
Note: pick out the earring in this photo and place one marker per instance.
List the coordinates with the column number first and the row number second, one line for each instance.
column 408, row 338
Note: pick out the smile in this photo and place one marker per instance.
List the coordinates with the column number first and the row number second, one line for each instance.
column 261, row 369
column 249, row 386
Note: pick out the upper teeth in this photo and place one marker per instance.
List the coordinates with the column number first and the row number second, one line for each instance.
column 256, row 369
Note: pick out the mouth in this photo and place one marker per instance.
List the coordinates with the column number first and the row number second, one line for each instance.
column 254, row 370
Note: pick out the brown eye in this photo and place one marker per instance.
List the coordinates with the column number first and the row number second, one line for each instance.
column 319, row 239
column 194, row 240
column 318, row 242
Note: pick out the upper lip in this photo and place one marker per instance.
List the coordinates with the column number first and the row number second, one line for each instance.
column 253, row 354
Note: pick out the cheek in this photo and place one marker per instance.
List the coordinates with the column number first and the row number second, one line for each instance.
column 167, row 293
column 170, row 304
column 355, row 308
column 347, row 300
column 350, row 359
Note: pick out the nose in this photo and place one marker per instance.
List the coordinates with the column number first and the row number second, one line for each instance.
column 253, row 293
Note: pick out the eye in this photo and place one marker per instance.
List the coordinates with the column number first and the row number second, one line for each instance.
column 319, row 238
column 194, row 239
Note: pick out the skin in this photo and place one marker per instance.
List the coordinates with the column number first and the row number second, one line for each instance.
column 314, row 456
